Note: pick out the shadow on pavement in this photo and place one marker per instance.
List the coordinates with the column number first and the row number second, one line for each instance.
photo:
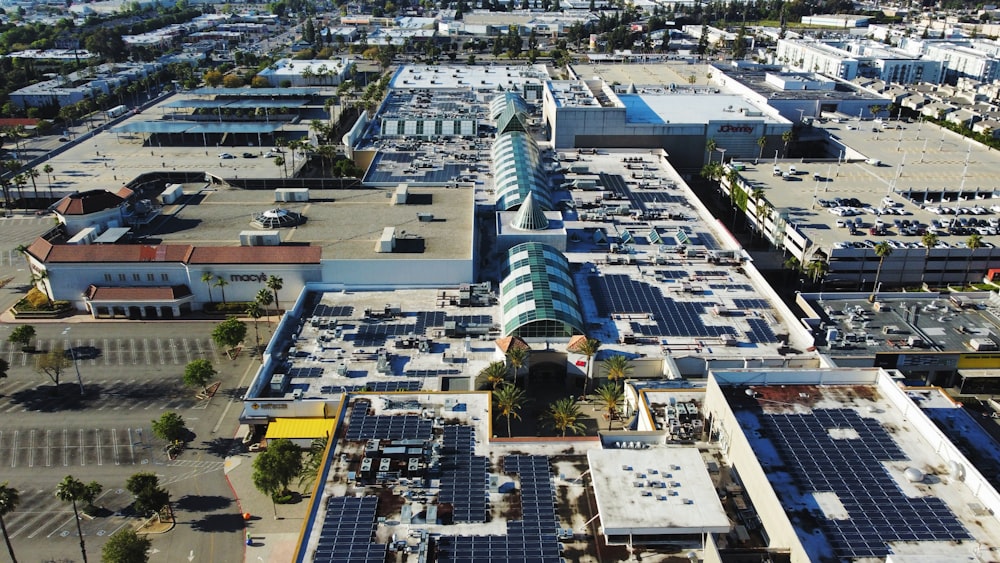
column 229, row 523
column 45, row 398
column 223, row 447
column 202, row 503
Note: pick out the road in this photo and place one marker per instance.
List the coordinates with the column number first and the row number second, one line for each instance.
column 131, row 374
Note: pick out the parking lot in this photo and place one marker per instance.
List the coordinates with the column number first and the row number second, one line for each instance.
column 44, row 517
column 117, row 351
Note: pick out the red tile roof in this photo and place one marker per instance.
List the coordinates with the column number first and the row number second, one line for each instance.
column 256, row 255
column 15, row 121
column 85, row 203
column 68, row 253
column 133, row 294
column 508, row 342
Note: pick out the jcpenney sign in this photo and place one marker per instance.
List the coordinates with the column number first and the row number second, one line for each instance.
column 728, row 128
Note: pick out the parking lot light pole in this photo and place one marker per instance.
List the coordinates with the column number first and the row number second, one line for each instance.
column 77, row 367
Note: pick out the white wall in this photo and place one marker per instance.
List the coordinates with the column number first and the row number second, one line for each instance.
column 399, row 273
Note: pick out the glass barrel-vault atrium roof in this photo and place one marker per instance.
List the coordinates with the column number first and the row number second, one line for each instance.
column 517, row 172
column 537, row 297
column 505, row 100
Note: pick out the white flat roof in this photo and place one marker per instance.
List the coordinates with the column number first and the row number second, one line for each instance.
column 662, row 490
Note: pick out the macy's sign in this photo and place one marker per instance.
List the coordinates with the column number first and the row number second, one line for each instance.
column 261, row 277
column 736, row 128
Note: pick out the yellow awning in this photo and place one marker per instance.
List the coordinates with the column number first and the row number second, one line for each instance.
column 299, row 428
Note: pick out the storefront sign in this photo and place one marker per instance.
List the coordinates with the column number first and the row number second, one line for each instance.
column 258, row 278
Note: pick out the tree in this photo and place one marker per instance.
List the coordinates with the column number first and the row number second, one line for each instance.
column 609, row 395
column 492, row 375
column 275, row 468
column 588, row 347
column 22, row 334
column 212, row 78
column 53, row 364
column 817, row 269
column 509, row 400
column 517, row 358
column 149, row 496
column 9, row 499
column 972, row 243
column 221, row 283
column 787, row 137
column 562, row 415
column 875, row 109
column 72, row 490
column 929, row 240
column 618, row 367
column 313, row 463
column 48, row 177
column 206, row 278
column 882, row 250
column 710, row 147
column 761, row 143
column 274, row 283
column 255, row 312
column 229, row 333
column 198, row 373
column 126, row 546
column 280, row 161
column 265, row 299
column 169, row 427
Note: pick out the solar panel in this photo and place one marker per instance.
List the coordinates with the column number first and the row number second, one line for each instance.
column 363, row 426
column 760, row 331
column 464, row 477
column 879, row 512
column 348, row 532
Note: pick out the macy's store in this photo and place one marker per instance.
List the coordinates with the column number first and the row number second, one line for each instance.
column 167, row 281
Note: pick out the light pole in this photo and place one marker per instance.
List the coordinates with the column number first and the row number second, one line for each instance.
column 722, row 159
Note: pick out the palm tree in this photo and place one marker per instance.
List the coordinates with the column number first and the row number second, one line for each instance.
column 255, row 312
column 562, row 415
column 588, row 347
column 710, row 147
column 517, row 358
column 493, row 375
column 509, row 399
column 875, row 109
column 786, row 138
column 618, row 367
column 609, row 395
column 20, row 182
column 32, row 173
column 39, row 278
column 22, row 249
column 221, row 283
column 207, row 278
column 761, row 143
column 265, row 299
column 274, row 283
column 48, row 177
column 71, row 490
column 972, row 243
column 882, row 250
column 280, row 161
column 929, row 240
column 9, row 499
column 817, row 269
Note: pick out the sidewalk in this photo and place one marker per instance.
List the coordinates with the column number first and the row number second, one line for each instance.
column 274, row 540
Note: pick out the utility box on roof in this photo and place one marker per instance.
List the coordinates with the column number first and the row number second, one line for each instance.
column 171, row 193
column 291, row 194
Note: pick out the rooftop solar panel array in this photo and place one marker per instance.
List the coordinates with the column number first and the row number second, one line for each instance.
column 707, row 240
column 760, row 332
column 464, row 477
column 430, row 372
column 878, row 510
column 529, row 540
column 363, row 426
column 348, row 532
column 755, row 303
column 374, row 386
column 621, row 294
column 323, row 310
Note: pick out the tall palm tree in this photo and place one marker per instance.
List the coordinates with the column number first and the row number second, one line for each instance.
column 609, row 395
column 787, row 137
column 517, row 358
column 817, row 269
column 493, row 375
column 761, row 143
column 974, row 241
column 39, row 278
column 588, row 348
column 274, row 283
column 710, row 147
column 255, row 312
column 48, row 177
column 206, row 278
column 33, row 173
column 929, row 240
column 221, row 283
column 71, row 490
column 509, row 400
column 265, row 299
column 562, row 415
column 618, row 367
column 882, row 250
column 9, row 499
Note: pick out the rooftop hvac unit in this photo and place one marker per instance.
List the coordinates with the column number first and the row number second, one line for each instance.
column 425, row 217
column 260, row 238
column 171, row 193
column 983, row 344
column 291, row 194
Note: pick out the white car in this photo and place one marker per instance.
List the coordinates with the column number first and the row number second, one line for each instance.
column 225, row 156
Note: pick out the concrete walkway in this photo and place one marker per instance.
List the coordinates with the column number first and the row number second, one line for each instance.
column 274, row 539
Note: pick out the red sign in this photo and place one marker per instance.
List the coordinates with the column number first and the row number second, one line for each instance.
column 736, row 129
column 581, row 363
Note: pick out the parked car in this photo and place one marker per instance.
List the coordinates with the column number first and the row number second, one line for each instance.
column 249, row 155
column 225, row 155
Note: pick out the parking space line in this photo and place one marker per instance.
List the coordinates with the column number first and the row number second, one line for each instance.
column 173, row 352
column 121, row 352
column 100, row 454
column 159, row 350
column 131, row 446
column 93, row 347
column 31, row 448
column 106, row 352
column 83, row 460
column 146, row 352
column 48, row 448
column 65, row 447
column 135, row 355
column 114, row 445
column 13, row 450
